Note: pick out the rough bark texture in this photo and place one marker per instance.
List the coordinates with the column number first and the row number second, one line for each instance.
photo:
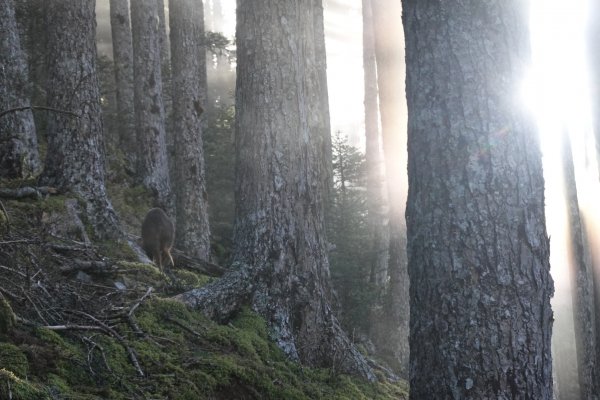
column 594, row 57
column 165, row 69
column 123, row 59
column 376, row 188
column 75, row 156
column 478, row 250
column 18, row 142
column 280, row 248
column 189, row 99
column 582, row 282
column 149, row 109
column 389, row 50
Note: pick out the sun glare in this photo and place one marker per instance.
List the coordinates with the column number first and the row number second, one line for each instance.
column 557, row 91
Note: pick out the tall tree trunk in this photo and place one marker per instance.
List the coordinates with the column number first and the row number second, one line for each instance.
column 389, row 50
column 120, row 23
column 189, row 99
column 582, row 283
column 280, row 247
column 593, row 46
column 149, row 109
column 75, row 156
column 165, row 69
column 480, row 288
column 18, row 142
column 376, row 189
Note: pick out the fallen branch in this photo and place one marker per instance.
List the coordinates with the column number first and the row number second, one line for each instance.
column 197, row 265
column 121, row 339
column 27, row 192
column 95, row 266
column 65, row 327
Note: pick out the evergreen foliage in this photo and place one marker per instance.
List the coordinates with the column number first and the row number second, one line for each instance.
column 347, row 231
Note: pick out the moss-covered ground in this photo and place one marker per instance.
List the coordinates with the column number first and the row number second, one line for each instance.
column 69, row 333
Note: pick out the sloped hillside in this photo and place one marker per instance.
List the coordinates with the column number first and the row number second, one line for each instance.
column 85, row 320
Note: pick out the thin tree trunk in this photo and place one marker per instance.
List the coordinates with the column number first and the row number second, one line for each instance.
column 376, row 189
column 18, row 142
column 582, row 281
column 189, row 99
column 389, row 50
column 279, row 235
column 166, row 72
column 480, row 289
column 593, row 46
column 149, row 109
column 120, row 23
column 75, row 156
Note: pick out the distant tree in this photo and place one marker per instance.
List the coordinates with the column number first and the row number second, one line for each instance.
column 218, row 140
column 348, row 228
column 75, row 156
column 18, row 142
column 379, row 233
column 582, row 280
column 120, row 23
column 478, row 251
column 280, row 250
column 153, row 165
column 189, row 100
column 389, row 50
column 594, row 57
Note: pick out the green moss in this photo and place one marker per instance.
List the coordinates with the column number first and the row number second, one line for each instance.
column 7, row 317
column 13, row 359
column 13, row 387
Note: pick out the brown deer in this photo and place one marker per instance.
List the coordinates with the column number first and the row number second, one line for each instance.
column 158, row 234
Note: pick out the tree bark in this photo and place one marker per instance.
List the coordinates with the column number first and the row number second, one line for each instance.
column 594, row 56
column 389, row 50
column 376, row 189
column 582, row 281
column 149, row 108
column 19, row 156
column 189, row 99
column 480, row 289
column 280, row 246
column 120, row 23
column 75, row 157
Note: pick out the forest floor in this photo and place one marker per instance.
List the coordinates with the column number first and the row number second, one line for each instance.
column 85, row 320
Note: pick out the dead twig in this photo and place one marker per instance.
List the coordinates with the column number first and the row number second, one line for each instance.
column 121, row 339
column 7, row 218
column 183, row 326
column 131, row 318
column 12, row 270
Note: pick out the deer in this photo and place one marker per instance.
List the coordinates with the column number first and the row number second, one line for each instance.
column 158, row 234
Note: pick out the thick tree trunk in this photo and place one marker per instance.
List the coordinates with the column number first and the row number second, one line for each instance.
column 376, row 189
column 189, row 99
column 480, row 289
column 280, row 247
column 389, row 50
column 75, row 156
column 582, row 282
column 149, row 109
column 18, row 142
column 123, row 59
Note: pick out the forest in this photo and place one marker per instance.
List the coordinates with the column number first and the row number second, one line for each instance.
column 191, row 206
